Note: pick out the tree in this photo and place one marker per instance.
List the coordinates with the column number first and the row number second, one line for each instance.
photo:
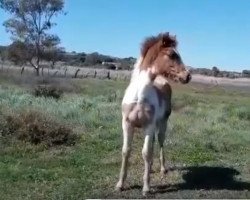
column 19, row 53
column 93, row 59
column 215, row 71
column 52, row 52
column 30, row 22
column 246, row 73
column 3, row 55
column 82, row 57
column 53, row 55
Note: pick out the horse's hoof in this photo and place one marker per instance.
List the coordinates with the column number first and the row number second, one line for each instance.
column 145, row 193
column 118, row 187
column 164, row 171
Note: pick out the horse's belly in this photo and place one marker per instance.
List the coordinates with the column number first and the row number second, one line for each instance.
column 138, row 114
column 141, row 113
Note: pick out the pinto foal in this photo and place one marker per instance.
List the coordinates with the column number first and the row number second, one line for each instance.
column 147, row 100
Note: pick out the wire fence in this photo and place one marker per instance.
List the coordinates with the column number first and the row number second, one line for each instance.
column 70, row 72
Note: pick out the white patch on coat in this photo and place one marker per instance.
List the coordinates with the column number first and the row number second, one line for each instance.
column 141, row 90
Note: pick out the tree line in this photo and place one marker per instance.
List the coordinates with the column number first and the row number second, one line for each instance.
column 214, row 71
column 29, row 26
column 20, row 54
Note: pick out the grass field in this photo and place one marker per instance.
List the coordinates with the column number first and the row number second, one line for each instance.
column 70, row 147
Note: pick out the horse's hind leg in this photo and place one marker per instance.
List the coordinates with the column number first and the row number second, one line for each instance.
column 161, row 139
column 147, row 154
column 152, row 160
column 128, row 131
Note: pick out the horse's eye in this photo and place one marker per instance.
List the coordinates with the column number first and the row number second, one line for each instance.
column 170, row 53
column 174, row 55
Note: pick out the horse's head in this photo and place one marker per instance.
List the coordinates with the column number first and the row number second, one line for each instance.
column 162, row 58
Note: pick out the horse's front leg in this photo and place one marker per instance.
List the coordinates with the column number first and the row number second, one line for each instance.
column 128, row 131
column 147, row 154
column 161, row 139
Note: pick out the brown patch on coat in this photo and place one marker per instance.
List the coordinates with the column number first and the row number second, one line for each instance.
column 160, row 56
column 155, row 44
column 164, row 92
column 163, row 88
column 152, row 46
column 139, row 114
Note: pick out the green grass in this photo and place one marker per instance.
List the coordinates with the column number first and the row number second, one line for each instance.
column 208, row 127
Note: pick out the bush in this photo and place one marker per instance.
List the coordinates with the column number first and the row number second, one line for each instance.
column 110, row 66
column 243, row 113
column 36, row 128
column 47, row 91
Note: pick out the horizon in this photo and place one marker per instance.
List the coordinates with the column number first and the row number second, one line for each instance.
column 209, row 33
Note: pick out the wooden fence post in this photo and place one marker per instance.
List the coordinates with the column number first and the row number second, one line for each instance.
column 65, row 72
column 76, row 73
column 55, row 73
column 42, row 70
column 108, row 75
column 22, row 70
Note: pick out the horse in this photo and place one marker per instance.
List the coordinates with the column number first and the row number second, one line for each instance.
column 147, row 100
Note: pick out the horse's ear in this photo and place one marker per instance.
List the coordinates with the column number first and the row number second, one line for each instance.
column 164, row 36
column 168, row 40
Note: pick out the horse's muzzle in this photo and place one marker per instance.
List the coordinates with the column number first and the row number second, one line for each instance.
column 185, row 77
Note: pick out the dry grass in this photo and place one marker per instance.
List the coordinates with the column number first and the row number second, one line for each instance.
column 36, row 128
column 47, row 91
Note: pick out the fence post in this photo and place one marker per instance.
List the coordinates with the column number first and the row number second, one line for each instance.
column 108, row 75
column 65, row 72
column 76, row 73
column 22, row 70
column 55, row 73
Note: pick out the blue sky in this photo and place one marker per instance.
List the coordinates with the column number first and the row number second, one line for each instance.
column 210, row 32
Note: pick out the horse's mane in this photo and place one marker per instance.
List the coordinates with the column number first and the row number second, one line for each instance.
column 163, row 39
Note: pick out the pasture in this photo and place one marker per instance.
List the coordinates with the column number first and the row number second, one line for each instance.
column 70, row 147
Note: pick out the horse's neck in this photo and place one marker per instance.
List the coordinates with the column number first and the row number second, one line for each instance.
column 140, row 83
column 139, row 75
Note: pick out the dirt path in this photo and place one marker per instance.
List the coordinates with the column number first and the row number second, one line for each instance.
column 220, row 81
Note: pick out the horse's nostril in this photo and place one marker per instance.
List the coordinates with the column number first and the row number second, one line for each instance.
column 189, row 77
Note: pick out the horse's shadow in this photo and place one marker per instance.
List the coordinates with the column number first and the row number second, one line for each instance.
column 205, row 178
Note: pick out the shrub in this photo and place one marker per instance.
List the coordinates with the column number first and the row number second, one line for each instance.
column 36, row 128
column 243, row 113
column 110, row 66
column 3, row 126
column 47, row 91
